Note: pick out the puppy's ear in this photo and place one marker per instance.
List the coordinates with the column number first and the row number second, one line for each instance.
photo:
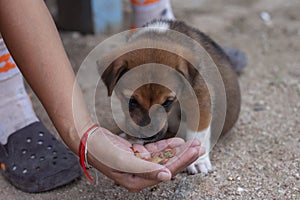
column 113, row 73
column 187, row 70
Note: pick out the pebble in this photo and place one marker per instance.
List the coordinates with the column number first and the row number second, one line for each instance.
column 265, row 16
column 75, row 35
column 260, row 107
column 240, row 190
column 297, row 176
column 281, row 191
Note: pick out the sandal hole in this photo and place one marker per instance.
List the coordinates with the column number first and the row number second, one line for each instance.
column 24, row 171
column 38, row 168
column 42, row 158
column 40, row 142
column 41, row 134
column 24, row 151
column 32, row 156
column 54, row 152
column 49, row 147
column 65, row 157
column 14, row 167
column 28, row 140
column 54, row 163
column 55, row 157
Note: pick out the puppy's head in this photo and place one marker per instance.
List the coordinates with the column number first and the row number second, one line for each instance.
column 143, row 102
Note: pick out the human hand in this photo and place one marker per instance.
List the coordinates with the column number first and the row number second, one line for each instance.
column 113, row 156
column 174, row 162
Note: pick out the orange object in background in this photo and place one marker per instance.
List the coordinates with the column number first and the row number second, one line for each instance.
column 8, row 65
column 145, row 2
column 3, row 168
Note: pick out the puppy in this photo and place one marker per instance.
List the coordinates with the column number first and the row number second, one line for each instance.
column 149, row 104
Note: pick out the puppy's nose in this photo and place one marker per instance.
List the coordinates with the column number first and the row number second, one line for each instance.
column 145, row 120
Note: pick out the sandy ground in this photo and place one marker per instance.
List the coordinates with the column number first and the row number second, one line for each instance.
column 260, row 159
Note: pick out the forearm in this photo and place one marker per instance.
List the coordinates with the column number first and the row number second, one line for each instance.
column 33, row 40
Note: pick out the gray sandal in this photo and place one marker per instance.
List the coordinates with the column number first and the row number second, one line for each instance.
column 34, row 161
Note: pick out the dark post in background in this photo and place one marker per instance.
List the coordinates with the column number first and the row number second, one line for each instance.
column 89, row 16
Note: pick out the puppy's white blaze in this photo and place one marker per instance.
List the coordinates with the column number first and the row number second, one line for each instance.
column 159, row 27
column 203, row 136
column 172, row 94
column 127, row 93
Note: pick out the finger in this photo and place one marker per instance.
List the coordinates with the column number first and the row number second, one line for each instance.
column 179, row 163
column 133, row 182
column 141, row 150
column 192, row 144
column 164, row 174
column 186, row 155
column 162, row 144
column 184, row 158
column 195, row 143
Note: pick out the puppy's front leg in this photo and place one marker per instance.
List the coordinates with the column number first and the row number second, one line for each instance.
column 202, row 164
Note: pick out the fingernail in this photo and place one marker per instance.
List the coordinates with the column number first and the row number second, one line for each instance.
column 201, row 150
column 164, row 176
column 196, row 143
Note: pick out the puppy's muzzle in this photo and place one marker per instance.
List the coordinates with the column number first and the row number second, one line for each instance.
column 158, row 136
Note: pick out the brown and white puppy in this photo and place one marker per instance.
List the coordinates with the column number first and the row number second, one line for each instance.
column 152, row 97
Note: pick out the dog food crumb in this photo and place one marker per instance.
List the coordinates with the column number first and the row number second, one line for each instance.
column 158, row 157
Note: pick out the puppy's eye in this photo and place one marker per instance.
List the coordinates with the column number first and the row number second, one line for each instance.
column 167, row 103
column 133, row 102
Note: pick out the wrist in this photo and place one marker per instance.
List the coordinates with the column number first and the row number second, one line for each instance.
column 71, row 133
column 83, row 149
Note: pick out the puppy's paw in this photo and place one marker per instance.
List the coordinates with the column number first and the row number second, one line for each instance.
column 202, row 165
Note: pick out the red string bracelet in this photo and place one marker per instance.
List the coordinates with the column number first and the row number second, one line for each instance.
column 83, row 150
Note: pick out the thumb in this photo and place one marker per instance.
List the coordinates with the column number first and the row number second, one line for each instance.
column 163, row 174
column 146, row 169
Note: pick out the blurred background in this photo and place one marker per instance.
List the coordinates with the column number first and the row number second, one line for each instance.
column 260, row 158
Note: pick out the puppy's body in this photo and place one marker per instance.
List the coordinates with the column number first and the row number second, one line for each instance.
column 143, row 101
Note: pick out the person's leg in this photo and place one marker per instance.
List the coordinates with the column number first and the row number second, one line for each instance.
column 15, row 106
column 31, row 159
column 145, row 11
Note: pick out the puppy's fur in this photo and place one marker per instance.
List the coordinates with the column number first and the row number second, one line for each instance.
column 146, row 98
